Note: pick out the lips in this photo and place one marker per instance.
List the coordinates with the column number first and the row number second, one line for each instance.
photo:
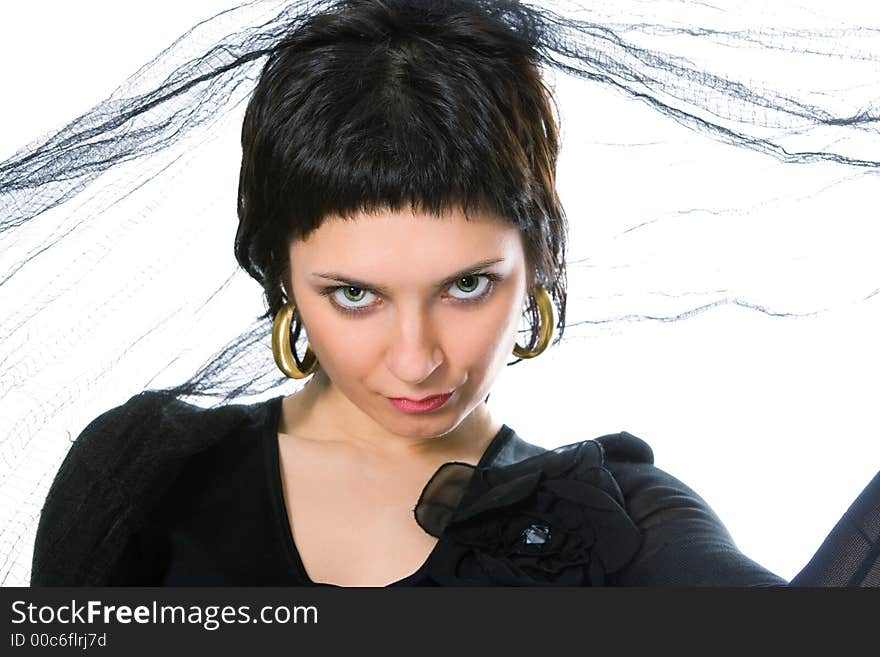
column 422, row 405
column 421, row 400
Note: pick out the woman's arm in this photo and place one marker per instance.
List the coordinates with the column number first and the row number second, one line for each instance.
column 850, row 554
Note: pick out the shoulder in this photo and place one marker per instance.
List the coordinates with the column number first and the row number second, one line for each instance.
column 684, row 542
column 155, row 423
column 653, row 496
column 681, row 541
column 625, row 447
column 113, row 473
column 103, row 440
column 620, row 447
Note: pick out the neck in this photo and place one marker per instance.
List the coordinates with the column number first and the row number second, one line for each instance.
column 321, row 412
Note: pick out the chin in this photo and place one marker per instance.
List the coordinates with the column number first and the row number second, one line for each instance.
column 421, row 425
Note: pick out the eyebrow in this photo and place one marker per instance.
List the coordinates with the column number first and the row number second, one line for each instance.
column 364, row 285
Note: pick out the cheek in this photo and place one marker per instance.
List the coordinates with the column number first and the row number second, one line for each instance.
column 343, row 354
column 485, row 338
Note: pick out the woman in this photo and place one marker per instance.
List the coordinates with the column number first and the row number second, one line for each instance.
column 392, row 152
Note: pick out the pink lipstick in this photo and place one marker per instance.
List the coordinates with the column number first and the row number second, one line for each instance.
column 421, row 405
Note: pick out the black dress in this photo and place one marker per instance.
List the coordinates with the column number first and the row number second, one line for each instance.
column 148, row 493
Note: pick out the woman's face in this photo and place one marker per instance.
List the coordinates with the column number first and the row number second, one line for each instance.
column 408, row 305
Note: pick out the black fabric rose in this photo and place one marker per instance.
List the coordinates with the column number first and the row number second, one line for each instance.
column 555, row 519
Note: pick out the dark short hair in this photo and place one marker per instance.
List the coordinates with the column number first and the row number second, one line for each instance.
column 388, row 104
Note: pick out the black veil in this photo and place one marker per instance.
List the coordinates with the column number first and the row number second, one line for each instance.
column 123, row 188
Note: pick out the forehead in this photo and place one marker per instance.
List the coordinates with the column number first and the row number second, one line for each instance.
column 407, row 239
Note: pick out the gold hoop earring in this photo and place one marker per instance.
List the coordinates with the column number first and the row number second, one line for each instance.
column 282, row 350
column 545, row 309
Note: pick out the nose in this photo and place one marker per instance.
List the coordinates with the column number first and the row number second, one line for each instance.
column 414, row 349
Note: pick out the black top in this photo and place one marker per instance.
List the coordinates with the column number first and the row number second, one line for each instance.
column 160, row 494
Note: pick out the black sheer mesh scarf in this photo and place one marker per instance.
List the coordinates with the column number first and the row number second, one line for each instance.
column 79, row 205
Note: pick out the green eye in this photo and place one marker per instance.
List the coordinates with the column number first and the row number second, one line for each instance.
column 349, row 298
column 475, row 280
column 474, row 286
column 353, row 297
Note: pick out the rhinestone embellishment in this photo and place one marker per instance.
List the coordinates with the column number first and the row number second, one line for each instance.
column 536, row 534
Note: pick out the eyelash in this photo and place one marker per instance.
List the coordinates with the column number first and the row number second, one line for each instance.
column 492, row 278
